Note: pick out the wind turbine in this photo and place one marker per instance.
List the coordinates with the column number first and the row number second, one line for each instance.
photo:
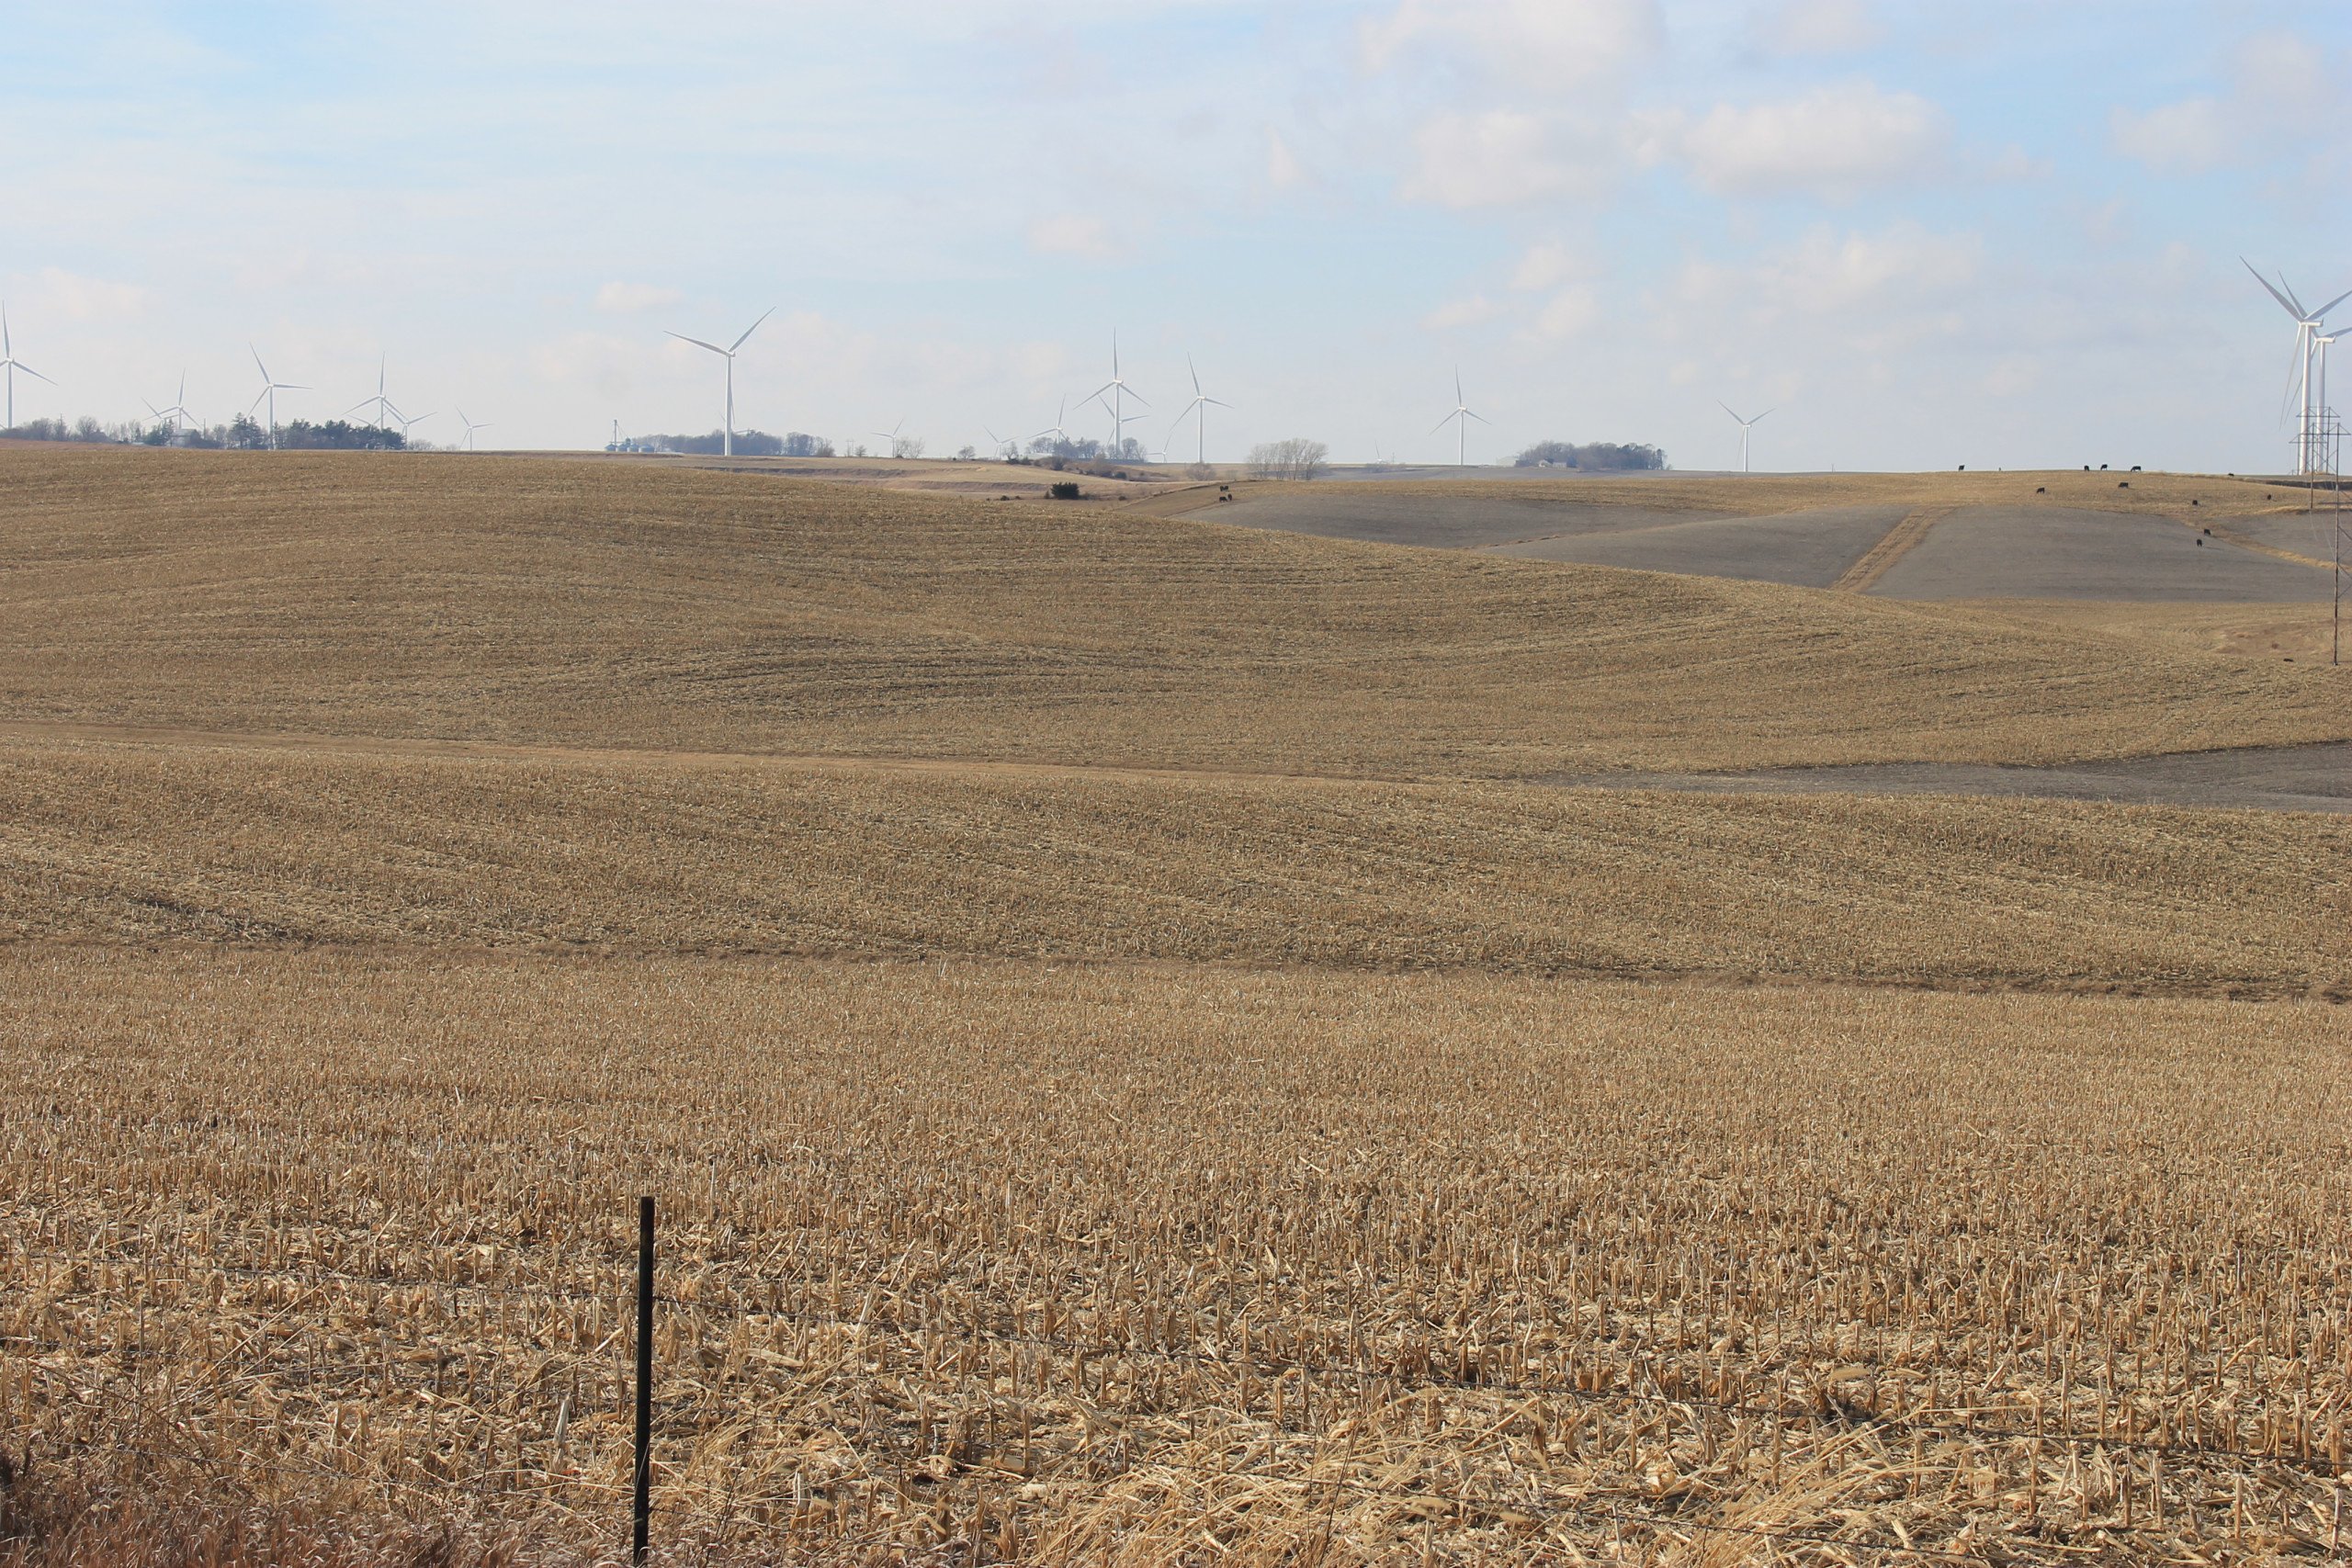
column 890, row 435
column 1117, row 401
column 1061, row 437
column 10, row 365
column 1745, row 426
column 2307, row 328
column 1005, row 449
column 728, row 444
column 176, row 416
column 1460, row 418
column 270, row 388
column 383, row 404
column 1198, row 408
column 407, row 424
column 471, row 425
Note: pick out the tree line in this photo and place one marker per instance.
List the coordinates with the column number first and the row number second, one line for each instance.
column 1593, row 455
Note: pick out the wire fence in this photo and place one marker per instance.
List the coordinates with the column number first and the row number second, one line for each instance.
column 2296, row 1471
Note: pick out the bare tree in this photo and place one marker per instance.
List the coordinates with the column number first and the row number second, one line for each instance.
column 1292, row 459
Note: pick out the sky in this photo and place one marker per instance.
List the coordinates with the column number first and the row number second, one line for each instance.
column 1994, row 232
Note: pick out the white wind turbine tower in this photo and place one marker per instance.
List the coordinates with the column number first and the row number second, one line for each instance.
column 471, row 425
column 1055, row 430
column 270, row 388
column 1745, row 426
column 1460, row 418
column 386, row 412
column 10, row 365
column 1199, row 408
column 177, row 417
column 1119, row 393
column 2307, row 329
column 726, row 444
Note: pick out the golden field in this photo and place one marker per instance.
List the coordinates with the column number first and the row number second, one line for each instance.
column 600, row 605
column 1135, row 1065
column 1148, row 1265
column 139, row 844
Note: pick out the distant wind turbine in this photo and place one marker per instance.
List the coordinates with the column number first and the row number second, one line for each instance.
column 1061, row 437
column 890, row 437
column 408, row 423
column 1116, row 400
column 1198, row 410
column 270, row 388
column 1005, row 448
column 471, row 425
column 1745, row 426
column 2307, row 329
column 177, row 417
column 1460, row 418
column 728, row 444
column 385, row 411
column 10, row 365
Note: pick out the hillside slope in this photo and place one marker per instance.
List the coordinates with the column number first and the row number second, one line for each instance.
column 603, row 604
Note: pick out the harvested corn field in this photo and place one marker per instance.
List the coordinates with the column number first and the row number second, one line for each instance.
column 554, row 851
column 997, row 1261
column 597, row 604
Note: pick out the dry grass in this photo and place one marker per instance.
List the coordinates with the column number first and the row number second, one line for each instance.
column 597, row 604
column 2266, row 633
column 114, row 843
column 1759, row 495
column 1140, row 1267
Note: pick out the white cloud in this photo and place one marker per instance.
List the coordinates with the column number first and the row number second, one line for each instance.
column 1547, row 265
column 1567, row 313
column 1835, row 141
column 1539, row 43
column 1074, row 234
column 624, row 298
column 1902, row 275
column 2279, row 95
column 1498, row 159
column 2184, row 138
column 1283, row 171
column 88, row 298
column 1817, row 27
column 2012, row 376
column 1454, row 314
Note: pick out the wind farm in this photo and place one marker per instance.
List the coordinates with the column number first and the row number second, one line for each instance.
column 966, row 951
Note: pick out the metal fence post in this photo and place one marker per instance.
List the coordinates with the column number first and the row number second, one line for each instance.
column 641, row 1501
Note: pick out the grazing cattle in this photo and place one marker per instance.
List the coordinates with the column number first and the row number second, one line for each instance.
column 2041, row 489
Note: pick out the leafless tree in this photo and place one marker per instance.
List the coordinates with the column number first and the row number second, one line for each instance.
column 1292, row 459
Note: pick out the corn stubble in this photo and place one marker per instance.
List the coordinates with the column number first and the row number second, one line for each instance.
column 596, row 605
column 999, row 1261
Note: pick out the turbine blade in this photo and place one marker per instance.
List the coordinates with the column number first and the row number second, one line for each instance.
column 699, row 343
column 1729, row 410
column 1449, row 419
column 1482, row 419
column 750, row 329
column 1219, row 402
column 153, row 409
column 357, row 407
column 1765, row 415
column 2321, row 313
column 257, row 363
column 1195, row 374
column 2283, row 303
column 30, row 371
